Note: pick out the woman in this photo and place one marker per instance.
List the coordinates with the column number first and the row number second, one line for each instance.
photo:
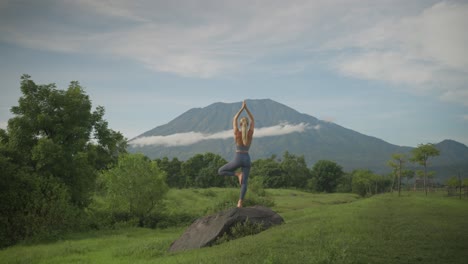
column 243, row 139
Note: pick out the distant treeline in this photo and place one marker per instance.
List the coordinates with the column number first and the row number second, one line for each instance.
column 288, row 171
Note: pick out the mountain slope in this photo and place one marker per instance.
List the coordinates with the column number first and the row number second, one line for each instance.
column 321, row 139
column 218, row 116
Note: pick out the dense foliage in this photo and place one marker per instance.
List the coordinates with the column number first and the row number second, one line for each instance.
column 327, row 174
column 134, row 187
column 50, row 155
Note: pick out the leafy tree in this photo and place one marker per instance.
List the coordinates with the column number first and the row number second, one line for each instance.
column 56, row 134
column 362, row 182
column 135, row 185
column 271, row 172
column 345, row 183
column 421, row 155
column 452, row 184
column 396, row 163
column 173, row 171
column 365, row 182
column 201, row 170
column 256, row 186
column 408, row 174
column 190, row 169
column 31, row 205
column 294, row 168
column 209, row 174
column 452, row 181
column 328, row 174
column 49, row 157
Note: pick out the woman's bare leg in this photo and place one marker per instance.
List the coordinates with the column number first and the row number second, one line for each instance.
column 239, row 176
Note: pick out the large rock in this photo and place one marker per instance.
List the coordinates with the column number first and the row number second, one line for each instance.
column 204, row 231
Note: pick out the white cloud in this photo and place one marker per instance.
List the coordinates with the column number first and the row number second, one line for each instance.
column 3, row 125
column 424, row 51
column 189, row 138
column 202, row 39
column 418, row 44
column 282, row 129
column 386, row 66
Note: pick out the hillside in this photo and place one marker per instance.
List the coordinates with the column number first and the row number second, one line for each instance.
column 317, row 140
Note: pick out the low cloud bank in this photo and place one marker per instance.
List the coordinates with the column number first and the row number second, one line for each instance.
column 189, row 138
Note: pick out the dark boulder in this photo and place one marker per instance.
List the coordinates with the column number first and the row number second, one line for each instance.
column 206, row 230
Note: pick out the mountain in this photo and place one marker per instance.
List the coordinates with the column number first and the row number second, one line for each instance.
column 315, row 139
column 453, row 159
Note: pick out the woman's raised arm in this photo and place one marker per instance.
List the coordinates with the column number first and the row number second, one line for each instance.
column 235, row 119
column 252, row 121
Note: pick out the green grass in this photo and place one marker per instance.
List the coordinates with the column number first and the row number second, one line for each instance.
column 319, row 228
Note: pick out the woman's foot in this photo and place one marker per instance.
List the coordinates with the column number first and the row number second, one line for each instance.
column 239, row 176
column 239, row 204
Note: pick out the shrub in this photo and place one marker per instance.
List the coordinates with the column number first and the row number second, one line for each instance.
column 256, row 186
column 39, row 208
column 135, row 186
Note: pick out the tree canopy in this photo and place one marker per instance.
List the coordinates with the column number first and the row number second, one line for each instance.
column 327, row 174
column 136, row 185
column 57, row 134
column 50, row 154
column 421, row 155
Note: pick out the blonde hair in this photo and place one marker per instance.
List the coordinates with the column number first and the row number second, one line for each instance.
column 244, row 129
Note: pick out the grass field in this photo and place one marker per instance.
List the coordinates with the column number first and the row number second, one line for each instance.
column 319, row 228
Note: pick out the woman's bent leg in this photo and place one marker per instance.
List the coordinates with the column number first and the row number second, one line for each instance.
column 229, row 168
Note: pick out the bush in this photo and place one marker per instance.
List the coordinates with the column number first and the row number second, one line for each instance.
column 36, row 208
column 256, row 186
column 104, row 215
column 135, row 188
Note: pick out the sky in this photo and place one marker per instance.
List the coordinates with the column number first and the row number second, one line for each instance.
column 395, row 70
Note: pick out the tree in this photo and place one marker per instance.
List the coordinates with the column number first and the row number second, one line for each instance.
column 408, row 174
column 396, row 163
column 345, row 183
column 294, row 169
column 55, row 133
column 327, row 174
column 173, row 171
column 50, row 154
column 421, row 155
column 452, row 184
column 201, row 170
column 270, row 170
column 362, row 182
column 365, row 182
column 135, row 185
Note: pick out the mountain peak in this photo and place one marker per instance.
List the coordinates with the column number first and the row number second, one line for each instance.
column 217, row 117
column 278, row 128
column 451, row 143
